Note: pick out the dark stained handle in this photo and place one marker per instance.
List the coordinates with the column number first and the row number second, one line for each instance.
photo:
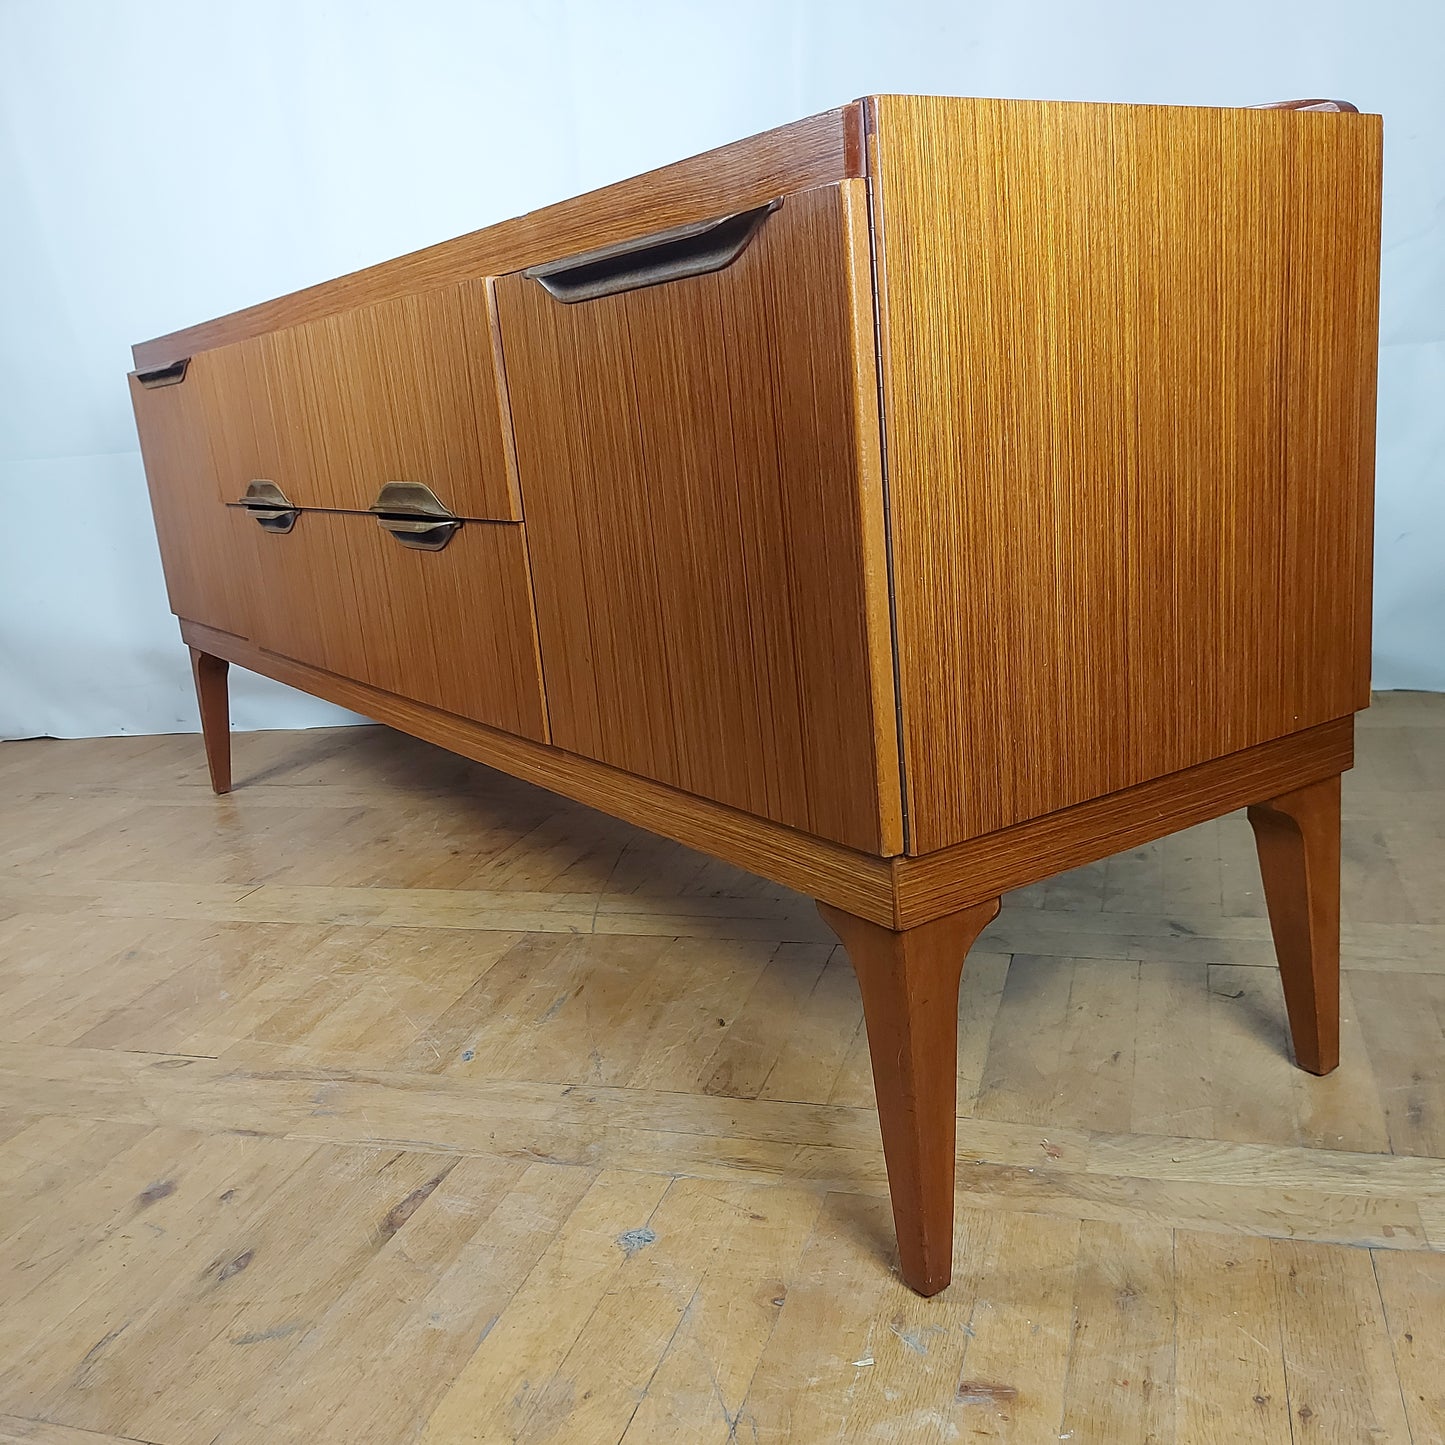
column 270, row 506
column 164, row 375
column 414, row 514
column 1340, row 105
column 419, row 533
column 651, row 260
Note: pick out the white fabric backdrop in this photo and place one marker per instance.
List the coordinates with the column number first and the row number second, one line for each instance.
column 163, row 161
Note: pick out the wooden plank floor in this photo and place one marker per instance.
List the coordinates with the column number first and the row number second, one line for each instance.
column 390, row 1100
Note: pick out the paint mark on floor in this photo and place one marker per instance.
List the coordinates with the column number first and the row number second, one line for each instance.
column 636, row 1239
column 915, row 1340
column 980, row 1392
column 162, row 1189
column 276, row 1332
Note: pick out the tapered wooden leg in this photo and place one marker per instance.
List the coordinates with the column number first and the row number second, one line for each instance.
column 1298, row 836
column 909, row 980
column 213, row 696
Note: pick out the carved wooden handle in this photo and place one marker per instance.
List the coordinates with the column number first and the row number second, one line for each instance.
column 651, row 260
column 414, row 514
column 1342, row 105
column 164, row 375
column 270, row 506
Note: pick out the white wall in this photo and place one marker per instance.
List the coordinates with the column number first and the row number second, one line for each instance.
column 163, row 161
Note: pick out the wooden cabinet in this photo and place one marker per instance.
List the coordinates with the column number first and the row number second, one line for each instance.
column 906, row 504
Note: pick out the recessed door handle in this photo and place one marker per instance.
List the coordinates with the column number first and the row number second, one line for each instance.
column 164, row 375
column 651, row 260
column 1337, row 105
column 269, row 505
column 415, row 516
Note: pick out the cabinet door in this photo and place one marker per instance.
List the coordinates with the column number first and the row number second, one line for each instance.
column 452, row 629
column 699, row 467
column 407, row 390
column 206, row 548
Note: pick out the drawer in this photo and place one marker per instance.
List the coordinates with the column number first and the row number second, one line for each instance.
column 407, row 390
column 696, row 428
column 450, row 628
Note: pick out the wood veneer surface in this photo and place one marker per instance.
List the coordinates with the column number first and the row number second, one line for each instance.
column 1128, row 364
column 981, row 868
column 405, row 390
column 699, row 465
column 450, row 629
column 206, row 549
column 1128, row 460
column 454, row 628
column 803, row 154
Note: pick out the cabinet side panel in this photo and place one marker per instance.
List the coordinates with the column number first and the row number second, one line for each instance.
column 1128, row 359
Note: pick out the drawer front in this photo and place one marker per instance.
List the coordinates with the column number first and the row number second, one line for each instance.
column 451, row 628
column 698, row 457
column 408, row 390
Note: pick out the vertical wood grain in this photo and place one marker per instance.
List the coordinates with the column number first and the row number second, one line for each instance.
column 1205, row 495
column 243, row 422
column 452, row 629
column 1332, row 269
column 206, row 549
column 816, row 151
column 871, row 517
column 1128, row 363
column 406, row 390
column 1412, row 1292
column 700, row 478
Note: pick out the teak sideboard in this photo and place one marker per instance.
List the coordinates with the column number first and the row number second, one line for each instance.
column 906, row 504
